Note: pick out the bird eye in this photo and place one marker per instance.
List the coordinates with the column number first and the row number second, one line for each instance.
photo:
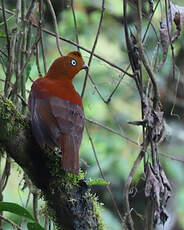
column 73, row 62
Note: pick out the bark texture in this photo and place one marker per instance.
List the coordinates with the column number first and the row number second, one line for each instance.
column 70, row 203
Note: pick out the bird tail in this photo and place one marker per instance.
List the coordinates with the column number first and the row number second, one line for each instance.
column 70, row 154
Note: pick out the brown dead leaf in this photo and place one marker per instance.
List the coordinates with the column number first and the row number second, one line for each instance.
column 155, row 124
column 157, row 189
column 158, row 125
column 134, row 52
column 175, row 14
column 153, row 119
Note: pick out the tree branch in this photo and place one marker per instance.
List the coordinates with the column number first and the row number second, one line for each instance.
column 68, row 197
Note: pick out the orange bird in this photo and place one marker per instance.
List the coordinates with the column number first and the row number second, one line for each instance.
column 56, row 110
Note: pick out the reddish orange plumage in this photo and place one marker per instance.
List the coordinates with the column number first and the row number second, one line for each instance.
column 56, row 109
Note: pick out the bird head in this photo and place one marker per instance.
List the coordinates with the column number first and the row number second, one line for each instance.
column 68, row 66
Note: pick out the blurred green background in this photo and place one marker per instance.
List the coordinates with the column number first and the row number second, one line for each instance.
column 116, row 154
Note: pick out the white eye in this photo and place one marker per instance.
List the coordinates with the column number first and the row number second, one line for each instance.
column 73, row 62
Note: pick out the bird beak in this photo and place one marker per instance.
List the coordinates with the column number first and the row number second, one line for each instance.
column 85, row 66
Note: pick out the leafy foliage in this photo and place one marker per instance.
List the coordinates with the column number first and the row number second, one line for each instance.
column 20, row 211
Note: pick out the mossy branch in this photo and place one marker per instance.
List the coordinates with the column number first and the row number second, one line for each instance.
column 70, row 203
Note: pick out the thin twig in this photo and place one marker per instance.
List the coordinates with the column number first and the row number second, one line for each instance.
column 6, row 27
column 170, row 40
column 55, row 26
column 43, row 53
column 27, row 60
column 136, row 67
column 94, row 46
column 37, row 60
column 28, row 39
column 171, row 157
column 15, row 53
column 127, row 186
column 89, row 51
column 10, row 222
column 75, row 24
column 143, row 58
column 116, row 87
column 128, row 43
column 178, row 158
column 23, row 49
column 30, row 10
column 31, row 53
column 27, row 202
column 41, row 35
column 81, row 47
column 102, row 175
column 46, row 222
column 109, row 98
column 35, row 206
column 156, row 57
column 11, row 61
column 134, row 60
column 3, row 65
column 149, row 23
column 3, row 52
column 5, row 174
column 97, row 90
column 150, row 74
column 112, row 131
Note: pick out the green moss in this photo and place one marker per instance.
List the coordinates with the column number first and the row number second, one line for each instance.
column 97, row 181
column 54, row 162
column 66, row 179
column 12, row 119
column 74, row 179
column 97, row 209
column 62, row 178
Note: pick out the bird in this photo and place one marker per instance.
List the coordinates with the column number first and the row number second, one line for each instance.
column 56, row 109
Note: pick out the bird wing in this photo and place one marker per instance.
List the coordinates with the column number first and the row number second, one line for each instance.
column 70, row 119
column 41, row 119
column 58, row 122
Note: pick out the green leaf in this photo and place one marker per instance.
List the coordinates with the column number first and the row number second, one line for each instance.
column 16, row 209
column 2, row 34
column 34, row 226
column 97, row 181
